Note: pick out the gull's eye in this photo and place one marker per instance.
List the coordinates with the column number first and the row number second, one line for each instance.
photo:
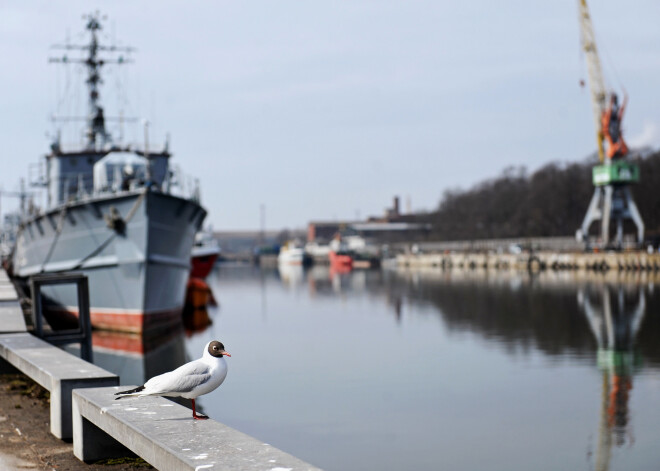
column 215, row 348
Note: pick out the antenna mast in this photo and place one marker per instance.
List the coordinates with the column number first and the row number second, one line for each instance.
column 96, row 133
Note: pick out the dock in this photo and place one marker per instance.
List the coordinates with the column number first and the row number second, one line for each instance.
column 11, row 313
column 533, row 261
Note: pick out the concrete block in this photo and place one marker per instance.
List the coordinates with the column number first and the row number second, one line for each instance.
column 90, row 443
column 11, row 317
column 164, row 434
column 56, row 370
column 7, row 290
column 11, row 314
column 8, row 293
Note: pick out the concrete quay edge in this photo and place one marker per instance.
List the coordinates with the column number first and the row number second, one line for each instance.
column 164, row 434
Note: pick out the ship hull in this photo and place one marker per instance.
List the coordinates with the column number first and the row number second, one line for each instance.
column 134, row 248
column 203, row 262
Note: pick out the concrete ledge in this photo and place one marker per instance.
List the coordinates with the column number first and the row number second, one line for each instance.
column 7, row 290
column 11, row 317
column 56, row 370
column 164, row 434
column 11, row 314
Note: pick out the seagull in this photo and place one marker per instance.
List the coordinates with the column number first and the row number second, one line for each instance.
column 190, row 380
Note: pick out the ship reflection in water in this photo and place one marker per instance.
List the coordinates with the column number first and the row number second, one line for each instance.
column 135, row 358
column 427, row 370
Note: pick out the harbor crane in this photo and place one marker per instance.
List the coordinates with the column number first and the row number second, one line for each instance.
column 612, row 199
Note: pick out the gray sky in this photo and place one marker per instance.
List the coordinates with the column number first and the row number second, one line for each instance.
column 327, row 109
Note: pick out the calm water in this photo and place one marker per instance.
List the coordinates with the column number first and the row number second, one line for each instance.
column 397, row 370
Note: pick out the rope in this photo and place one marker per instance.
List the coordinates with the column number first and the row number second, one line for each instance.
column 608, row 60
column 130, row 214
column 58, row 231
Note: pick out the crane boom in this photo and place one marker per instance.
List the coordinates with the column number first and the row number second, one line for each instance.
column 596, row 83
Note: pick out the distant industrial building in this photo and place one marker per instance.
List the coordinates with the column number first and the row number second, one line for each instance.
column 392, row 227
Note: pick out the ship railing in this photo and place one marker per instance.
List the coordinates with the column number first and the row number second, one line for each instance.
column 74, row 147
column 182, row 184
column 175, row 182
column 81, row 186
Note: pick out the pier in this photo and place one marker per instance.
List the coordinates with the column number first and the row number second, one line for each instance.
column 534, row 261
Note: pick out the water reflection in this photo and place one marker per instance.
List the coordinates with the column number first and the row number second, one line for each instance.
column 514, row 309
column 615, row 326
column 199, row 296
column 136, row 358
column 522, row 312
column 292, row 276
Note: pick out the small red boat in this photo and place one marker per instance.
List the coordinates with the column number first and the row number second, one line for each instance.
column 340, row 259
column 204, row 254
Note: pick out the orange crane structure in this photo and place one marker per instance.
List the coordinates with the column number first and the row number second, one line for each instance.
column 612, row 199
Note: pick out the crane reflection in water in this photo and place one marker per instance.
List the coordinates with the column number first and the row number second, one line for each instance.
column 615, row 325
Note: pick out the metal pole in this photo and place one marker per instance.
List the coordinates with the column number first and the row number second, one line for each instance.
column 605, row 216
column 84, row 319
column 36, row 307
column 146, row 149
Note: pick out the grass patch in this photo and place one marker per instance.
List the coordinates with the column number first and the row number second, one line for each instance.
column 28, row 388
column 137, row 462
column 18, row 384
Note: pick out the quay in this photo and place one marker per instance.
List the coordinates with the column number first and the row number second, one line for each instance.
column 534, row 261
column 517, row 253
column 57, row 371
column 163, row 434
column 83, row 408
column 11, row 313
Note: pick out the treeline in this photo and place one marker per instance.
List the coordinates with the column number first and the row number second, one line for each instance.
column 551, row 201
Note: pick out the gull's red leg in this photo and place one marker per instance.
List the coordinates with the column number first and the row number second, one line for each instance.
column 195, row 416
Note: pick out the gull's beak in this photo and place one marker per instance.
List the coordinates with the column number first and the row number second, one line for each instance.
column 226, row 353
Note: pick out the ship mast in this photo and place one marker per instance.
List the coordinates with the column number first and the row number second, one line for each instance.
column 96, row 133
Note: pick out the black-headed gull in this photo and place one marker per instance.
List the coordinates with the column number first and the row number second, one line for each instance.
column 190, row 380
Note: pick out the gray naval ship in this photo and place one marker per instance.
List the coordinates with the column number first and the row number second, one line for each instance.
column 114, row 213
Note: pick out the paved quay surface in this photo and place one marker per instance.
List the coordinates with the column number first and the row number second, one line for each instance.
column 25, row 439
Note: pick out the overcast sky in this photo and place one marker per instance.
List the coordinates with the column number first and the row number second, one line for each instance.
column 327, row 109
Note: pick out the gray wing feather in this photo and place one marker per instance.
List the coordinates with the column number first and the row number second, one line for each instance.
column 180, row 381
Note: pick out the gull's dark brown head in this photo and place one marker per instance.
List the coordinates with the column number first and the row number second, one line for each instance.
column 217, row 349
